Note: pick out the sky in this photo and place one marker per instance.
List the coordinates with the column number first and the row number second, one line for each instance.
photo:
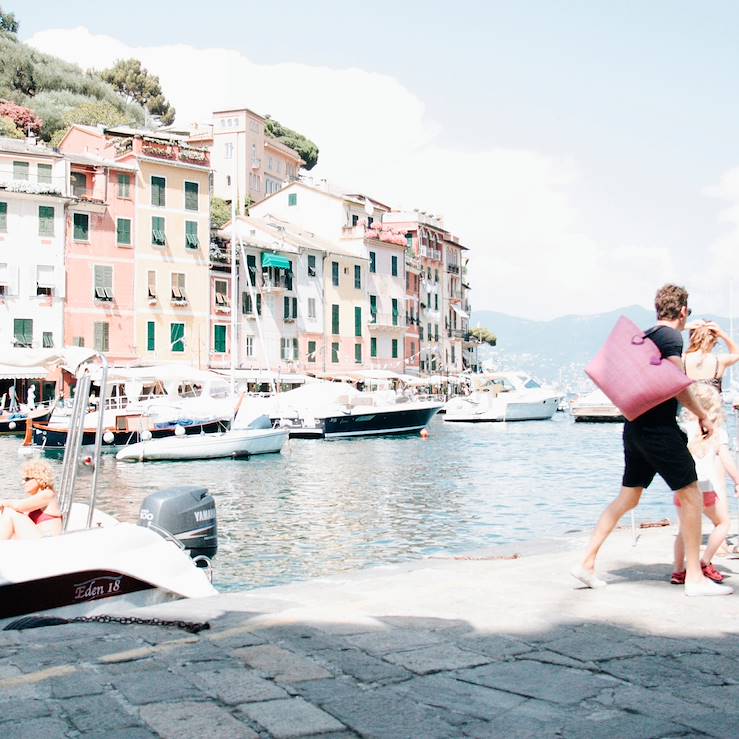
column 585, row 152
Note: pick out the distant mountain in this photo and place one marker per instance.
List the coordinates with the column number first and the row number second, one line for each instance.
column 558, row 349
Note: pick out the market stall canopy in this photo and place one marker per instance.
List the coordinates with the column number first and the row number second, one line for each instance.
column 275, row 260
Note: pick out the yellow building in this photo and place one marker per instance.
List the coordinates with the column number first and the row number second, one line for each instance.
column 171, row 226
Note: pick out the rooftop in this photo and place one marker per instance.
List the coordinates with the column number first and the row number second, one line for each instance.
column 26, row 146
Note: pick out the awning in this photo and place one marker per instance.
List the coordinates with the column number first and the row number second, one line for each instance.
column 460, row 312
column 275, row 260
column 8, row 372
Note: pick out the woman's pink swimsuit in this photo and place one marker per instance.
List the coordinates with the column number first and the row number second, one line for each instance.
column 38, row 516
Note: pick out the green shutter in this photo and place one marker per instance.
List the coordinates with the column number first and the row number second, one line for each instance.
column 292, row 199
column 335, row 352
column 150, row 336
column 177, row 337
column 20, row 170
column 335, row 319
column 259, row 304
column 357, row 277
column 81, row 226
column 123, row 231
column 102, row 336
column 23, row 331
column 124, row 186
column 373, row 308
column 286, row 307
column 44, row 174
column 246, row 306
column 395, row 348
column 219, row 339
column 158, row 236
column 3, row 216
column 394, row 263
column 373, row 347
column 158, row 186
column 409, row 240
column 191, row 196
column 311, row 351
column 191, row 235
column 358, row 353
column 45, row 220
column 357, row 321
column 395, row 311
column 335, row 274
column 372, row 262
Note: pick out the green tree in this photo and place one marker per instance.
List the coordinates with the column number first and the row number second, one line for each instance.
column 137, row 84
column 484, row 336
column 8, row 22
column 94, row 113
column 9, row 129
column 220, row 212
column 306, row 148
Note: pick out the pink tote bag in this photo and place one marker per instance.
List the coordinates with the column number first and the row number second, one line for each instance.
column 631, row 372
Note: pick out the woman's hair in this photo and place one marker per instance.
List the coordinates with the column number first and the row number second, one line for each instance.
column 39, row 470
column 702, row 339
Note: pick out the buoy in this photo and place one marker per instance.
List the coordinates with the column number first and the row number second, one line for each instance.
column 145, row 435
column 108, row 437
column 179, row 430
column 424, row 433
column 87, row 461
column 11, row 425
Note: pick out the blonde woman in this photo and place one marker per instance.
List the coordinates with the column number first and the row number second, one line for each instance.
column 36, row 515
column 712, row 456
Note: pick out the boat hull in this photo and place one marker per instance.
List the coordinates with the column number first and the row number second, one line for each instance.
column 500, row 411
column 50, row 438
column 380, row 422
column 235, row 444
column 19, row 424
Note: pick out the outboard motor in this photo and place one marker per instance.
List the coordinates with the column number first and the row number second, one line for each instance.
column 186, row 513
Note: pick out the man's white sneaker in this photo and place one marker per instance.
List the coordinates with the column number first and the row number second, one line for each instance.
column 706, row 587
column 587, row 578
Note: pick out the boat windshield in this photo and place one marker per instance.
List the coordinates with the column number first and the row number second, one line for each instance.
column 532, row 384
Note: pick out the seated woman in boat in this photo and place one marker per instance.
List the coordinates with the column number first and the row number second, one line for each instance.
column 36, row 515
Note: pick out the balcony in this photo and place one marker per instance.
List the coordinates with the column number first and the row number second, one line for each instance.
column 275, row 283
column 453, row 268
column 386, row 322
column 86, row 201
column 429, row 253
column 220, row 257
column 412, row 262
column 457, row 333
column 256, row 164
column 160, row 149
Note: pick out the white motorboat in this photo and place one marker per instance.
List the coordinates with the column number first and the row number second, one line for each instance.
column 595, row 407
column 98, row 565
column 505, row 396
column 258, row 438
column 336, row 410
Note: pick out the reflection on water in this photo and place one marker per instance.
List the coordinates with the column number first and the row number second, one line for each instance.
column 326, row 506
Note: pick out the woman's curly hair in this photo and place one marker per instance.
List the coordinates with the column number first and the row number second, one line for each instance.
column 39, row 470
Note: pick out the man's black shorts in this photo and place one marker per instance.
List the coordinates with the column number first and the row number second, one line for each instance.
column 657, row 450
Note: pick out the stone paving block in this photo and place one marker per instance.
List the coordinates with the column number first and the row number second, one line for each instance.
column 15, row 710
column 436, row 658
column 40, row 728
column 384, row 712
column 93, row 649
column 464, row 698
column 194, row 721
column 290, row 718
column 98, row 713
column 364, row 667
column 280, row 664
column 234, row 686
column 427, row 623
column 299, row 638
column 135, row 665
column 554, row 658
column 33, row 659
column 202, row 651
column 617, row 724
column 393, row 640
column 590, row 647
column 347, row 629
column 80, row 683
column 543, row 681
column 235, row 638
column 532, row 719
column 494, row 645
column 668, row 646
column 711, row 664
column 155, row 686
column 717, row 697
column 133, row 732
column 656, row 671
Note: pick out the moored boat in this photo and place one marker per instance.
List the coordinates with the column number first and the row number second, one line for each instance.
column 595, row 407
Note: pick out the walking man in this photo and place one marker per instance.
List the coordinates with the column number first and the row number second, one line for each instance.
column 654, row 444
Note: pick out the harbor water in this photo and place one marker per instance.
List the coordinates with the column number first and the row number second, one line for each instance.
column 323, row 507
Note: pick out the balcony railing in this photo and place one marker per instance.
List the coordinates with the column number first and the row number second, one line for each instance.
column 429, row 253
column 386, row 320
column 276, row 283
column 453, row 268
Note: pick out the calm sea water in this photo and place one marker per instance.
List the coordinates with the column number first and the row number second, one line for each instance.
column 322, row 507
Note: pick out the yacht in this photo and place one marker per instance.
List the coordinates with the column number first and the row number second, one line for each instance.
column 595, row 407
column 332, row 410
column 504, row 396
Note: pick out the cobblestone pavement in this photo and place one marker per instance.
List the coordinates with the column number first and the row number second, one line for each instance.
column 437, row 648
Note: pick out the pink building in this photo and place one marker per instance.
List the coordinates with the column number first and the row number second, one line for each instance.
column 99, row 253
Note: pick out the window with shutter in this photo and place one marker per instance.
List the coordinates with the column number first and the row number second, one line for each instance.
column 221, row 293
column 20, row 170
column 251, row 265
column 373, row 347
column 43, row 174
column 373, row 308
column 124, row 186
column 335, row 352
column 150, row 336
column 219, row 339
column 296, row 346
column 311, row 307
column 103, row 288
column 158, row 186
column 357, row 277
column 335, row 319
column 191, row 235
column 292, row 199
column 102, row 336
column 357, row 321
column 191, row 195
column 45, row 220
column 23, row 332
column 395, row 348
column 373, row 263
column 47, row 338
column 311, row 351
column 81, row 226
column 177, row 337
column 179, row 294
column 158, row 235
column 395, row 311
column 152, row 284
column 335, row 274
column 358, row 353
column 311, row 265
column 259, row 304
column 123, row 231
column 394, row 266
column 246, row 306
column 286, row 308
column 3, row 217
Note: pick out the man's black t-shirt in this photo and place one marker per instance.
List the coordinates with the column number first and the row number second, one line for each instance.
column 670, row 344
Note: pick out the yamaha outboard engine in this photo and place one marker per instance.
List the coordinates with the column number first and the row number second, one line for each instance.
column 186, row 513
